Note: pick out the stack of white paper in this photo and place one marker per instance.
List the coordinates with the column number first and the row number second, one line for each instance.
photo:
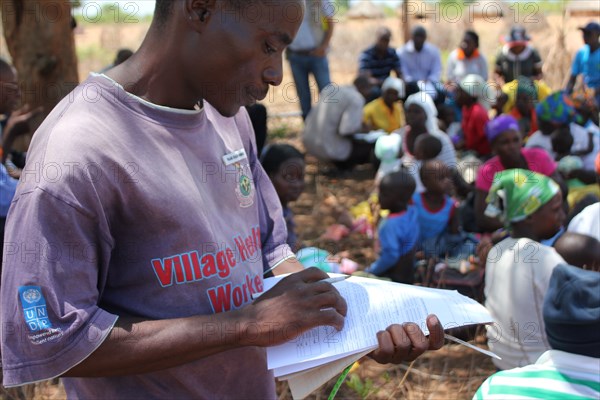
column 318, row 355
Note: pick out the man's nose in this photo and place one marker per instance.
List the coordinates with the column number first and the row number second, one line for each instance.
column 273, row 75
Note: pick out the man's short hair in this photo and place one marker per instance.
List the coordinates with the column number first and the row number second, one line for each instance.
column 362, row 81
column 473, row 35
column 163, row 8
column 383, row 31
column 419, row 31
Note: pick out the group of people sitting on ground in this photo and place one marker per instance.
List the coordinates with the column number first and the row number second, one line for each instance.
column 539, row 266
column 535, row 182
column 465, row 99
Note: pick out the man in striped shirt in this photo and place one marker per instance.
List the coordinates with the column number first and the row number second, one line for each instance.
column 571, row 370
column 379, row 60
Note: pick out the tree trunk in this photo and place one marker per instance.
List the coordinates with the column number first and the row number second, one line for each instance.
column 39, row 37
column 405, row 22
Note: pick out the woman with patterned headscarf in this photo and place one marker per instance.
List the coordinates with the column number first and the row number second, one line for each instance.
column 521, row 96
column 518, row 268
column 555, row 112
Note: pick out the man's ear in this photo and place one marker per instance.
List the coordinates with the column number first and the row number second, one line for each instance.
column 199, row 12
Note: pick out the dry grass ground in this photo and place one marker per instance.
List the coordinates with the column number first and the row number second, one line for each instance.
column 454, row 372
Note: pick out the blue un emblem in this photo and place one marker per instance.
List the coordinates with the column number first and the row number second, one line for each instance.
column 34, row 308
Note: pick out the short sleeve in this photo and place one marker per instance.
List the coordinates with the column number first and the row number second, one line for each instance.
column 391, row 248
column 397, row 237
column 56, row 263
column 352, row 116
column 576, row 68
column 485, row 175
column 539, row 161
column 368, row 112
column 273, row 229
column 328, row 7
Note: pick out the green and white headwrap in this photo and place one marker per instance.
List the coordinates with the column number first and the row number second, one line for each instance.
column 517, row 193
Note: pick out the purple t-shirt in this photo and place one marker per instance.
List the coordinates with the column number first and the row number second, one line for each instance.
column 126, row 208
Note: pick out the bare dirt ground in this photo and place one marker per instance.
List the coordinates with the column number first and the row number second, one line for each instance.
column 454, row 372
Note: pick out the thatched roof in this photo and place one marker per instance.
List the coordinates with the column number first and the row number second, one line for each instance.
column 365, row 9
column 583, row 7
column 422, row 9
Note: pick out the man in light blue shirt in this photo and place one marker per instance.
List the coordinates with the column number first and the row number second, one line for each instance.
column 420, row 60
column 587, row 61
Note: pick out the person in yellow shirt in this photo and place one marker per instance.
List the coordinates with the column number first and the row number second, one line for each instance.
column 386, row 112
column 519, row 97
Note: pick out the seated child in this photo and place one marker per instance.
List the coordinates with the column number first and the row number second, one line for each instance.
column 518, row 268
column 388, row 149
column 285, row 166
column 399, row 231
column 436, row 210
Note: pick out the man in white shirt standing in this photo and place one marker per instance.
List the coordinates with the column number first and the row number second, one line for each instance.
column 307, row 54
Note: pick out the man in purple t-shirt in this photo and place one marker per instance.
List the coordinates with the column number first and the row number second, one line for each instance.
column 143, row 224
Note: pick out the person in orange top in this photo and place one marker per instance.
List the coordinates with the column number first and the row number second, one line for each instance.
column 386, row 112
column 466, row 59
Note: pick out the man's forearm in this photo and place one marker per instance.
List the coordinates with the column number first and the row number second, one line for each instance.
column 137, row 346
